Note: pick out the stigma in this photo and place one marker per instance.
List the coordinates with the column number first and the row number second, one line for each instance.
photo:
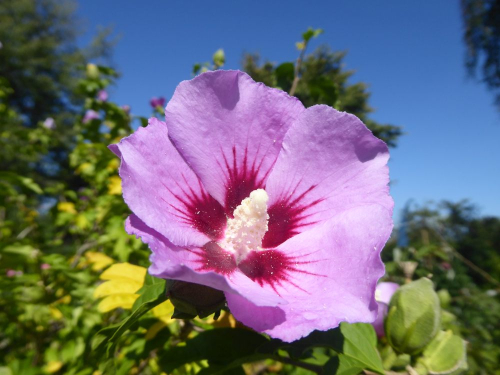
column 245, row 231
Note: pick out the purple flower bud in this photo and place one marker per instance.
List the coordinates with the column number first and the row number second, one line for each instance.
column 102, row 95
column 49, row 123
column 126, row 108
column 89, row 116
column 383, row 295
column 157, row 102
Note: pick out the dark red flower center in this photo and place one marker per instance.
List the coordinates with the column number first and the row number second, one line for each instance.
column 288, row 216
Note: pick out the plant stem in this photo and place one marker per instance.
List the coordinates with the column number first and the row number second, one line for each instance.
column 298, row 65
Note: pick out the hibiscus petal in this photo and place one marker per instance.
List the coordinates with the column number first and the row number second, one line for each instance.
column 331, row 277
column 172, row 262
column 229, row 130
column 330, row 162
column 163, row 191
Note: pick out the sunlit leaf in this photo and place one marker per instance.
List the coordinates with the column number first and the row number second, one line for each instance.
column 124, row 271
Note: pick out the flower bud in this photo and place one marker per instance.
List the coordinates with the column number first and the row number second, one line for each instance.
column 190, row 299
column 92, row 71
column 446, row 355
column 444, row 298
column 414, row 317
column 219, row 58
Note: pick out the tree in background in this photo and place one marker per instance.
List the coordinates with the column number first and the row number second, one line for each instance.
column 481, row 20
column 40, row 66
column 319, row 78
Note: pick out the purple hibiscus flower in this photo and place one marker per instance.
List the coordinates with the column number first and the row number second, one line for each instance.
column 102, row 95
column 157, row 102
column 126, row 108
column 383, row 295
column 89, row 116
column 284, row 209
column 49, row 123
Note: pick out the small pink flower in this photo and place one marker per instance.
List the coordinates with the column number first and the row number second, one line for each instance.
column 45, row 266
column 49, row 123
column 157, row 102
column 383, row 295
column 11, row 273
column 284, row 209
column 89, row 116
column 102, row 95
column 126, row 108
column 446, row 266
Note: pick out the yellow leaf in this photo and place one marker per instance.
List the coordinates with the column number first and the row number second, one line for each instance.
column 300, row 45
column 66, row 207
column 125, row 301
column 85, row 168
column 124, row 271
column 82, row 222
column 226, row 320
column 98, row 260
column 115, row 185
column 164, row 311
column 154, row 329
column 64, row 300
column 55, row 313
column 53, row 366
column 113, row 287
column 113, row 165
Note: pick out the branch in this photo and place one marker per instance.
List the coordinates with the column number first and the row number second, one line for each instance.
column 80, row 252
column 298, row 65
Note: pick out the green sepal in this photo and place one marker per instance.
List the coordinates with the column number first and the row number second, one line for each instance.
column 446, row 354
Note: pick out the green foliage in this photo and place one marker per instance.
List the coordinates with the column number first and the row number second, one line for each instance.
column 40, row 57
column 482, row 39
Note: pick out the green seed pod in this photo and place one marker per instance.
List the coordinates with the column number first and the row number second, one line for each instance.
column 444, row 298
column 414, row 317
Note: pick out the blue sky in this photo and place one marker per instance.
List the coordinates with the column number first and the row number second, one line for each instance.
column 410, row 54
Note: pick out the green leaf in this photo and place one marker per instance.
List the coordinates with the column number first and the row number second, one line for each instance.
column 152, row 289
column 25, row 182
column 360, row 347
column 151, row 294
column 343, row 365
column 308, row 34
column 224, row 348
column 311, row 33
column 356, row 345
